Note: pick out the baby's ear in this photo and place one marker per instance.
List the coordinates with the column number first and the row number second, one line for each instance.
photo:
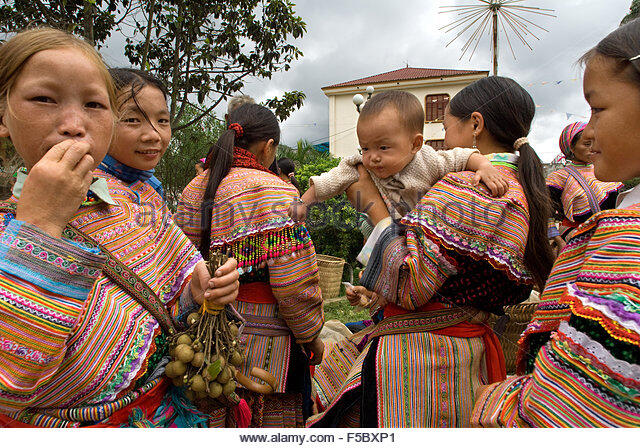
column 418, row 141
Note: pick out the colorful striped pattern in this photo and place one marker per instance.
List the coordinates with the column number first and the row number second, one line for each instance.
column 249, row 218
column 332, row 372
column 588, row 377
column 568, row 134
column 421, row 378
column 94, row 362
column 575, row 202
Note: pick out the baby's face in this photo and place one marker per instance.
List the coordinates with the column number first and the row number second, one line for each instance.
column 387, row 146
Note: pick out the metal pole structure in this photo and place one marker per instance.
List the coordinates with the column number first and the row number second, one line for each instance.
column 495, row 42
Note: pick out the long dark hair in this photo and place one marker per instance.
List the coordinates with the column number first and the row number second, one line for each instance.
column 508, row 110
column 259, row 124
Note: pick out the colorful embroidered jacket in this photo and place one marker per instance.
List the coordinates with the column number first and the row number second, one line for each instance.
column 463, row 247
column 250, row 220
column 587, row 373
column 74, row 346
column 570, row 199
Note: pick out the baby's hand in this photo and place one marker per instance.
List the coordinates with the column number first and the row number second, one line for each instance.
column 493, row 179
column 297, row 211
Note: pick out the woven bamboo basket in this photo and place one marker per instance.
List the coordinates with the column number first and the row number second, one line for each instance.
column 508, row 329
column 330, row 273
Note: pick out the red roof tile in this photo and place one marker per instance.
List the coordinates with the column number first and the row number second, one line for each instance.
column 406, row 74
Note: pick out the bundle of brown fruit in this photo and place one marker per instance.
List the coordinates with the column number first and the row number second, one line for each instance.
column 206, row 355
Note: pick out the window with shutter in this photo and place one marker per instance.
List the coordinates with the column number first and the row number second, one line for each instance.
column 435, row 106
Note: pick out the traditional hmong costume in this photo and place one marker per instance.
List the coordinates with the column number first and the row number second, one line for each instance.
column 583, row 343
column 575, row 192
column 279, row 295
column 76, row 348
column 458, row 253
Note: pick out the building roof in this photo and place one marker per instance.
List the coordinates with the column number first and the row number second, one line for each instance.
column 407, row 73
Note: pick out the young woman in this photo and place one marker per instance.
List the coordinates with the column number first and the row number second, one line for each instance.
column 239, row 206
column 459, row 254
column 583, row 344
column 89, row 292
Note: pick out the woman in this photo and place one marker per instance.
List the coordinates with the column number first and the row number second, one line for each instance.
column 575, row 192
column 238, row 206
column 459, row 254
column 582, row 347
column 90, row 292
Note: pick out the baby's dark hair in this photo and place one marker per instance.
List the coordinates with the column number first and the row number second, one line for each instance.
column 408, row 107
column 622, row 45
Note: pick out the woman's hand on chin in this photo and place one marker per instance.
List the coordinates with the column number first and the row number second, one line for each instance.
column 56, row 186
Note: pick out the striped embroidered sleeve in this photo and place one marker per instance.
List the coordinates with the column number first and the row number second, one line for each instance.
column 407, row 269
column 497, row 405
column 44, row 284
column 294, row 282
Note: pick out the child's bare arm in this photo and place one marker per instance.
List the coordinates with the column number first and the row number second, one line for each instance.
column 299, row 207
column 487, row 174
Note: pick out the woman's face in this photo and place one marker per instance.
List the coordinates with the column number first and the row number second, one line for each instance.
column 59, row 95
column 458, row 133
column 140, row 142
column 615, row 121
column 582, row 149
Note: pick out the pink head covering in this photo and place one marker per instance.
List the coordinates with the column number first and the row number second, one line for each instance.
column 567, row 136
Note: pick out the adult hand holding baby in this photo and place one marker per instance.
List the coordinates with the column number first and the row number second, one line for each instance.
column 56, row 186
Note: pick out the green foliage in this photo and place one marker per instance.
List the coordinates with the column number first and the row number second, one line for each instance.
column 333, row 224
column 177, row 167
column 283, row 107
column 205, row 50
column 92, row 19
column 628, row 184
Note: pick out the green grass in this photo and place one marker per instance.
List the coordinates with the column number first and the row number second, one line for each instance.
column 344, row 312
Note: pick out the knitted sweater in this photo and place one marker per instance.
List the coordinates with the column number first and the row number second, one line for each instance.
column 402, row 191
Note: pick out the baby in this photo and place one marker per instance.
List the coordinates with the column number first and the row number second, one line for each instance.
column 390, row 134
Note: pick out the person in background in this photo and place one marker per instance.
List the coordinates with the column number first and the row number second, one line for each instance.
column 199, row 167
column 575, row 192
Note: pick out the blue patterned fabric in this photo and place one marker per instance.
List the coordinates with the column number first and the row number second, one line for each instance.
column 130, row 175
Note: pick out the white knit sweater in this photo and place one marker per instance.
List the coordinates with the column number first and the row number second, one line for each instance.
column 402, row 191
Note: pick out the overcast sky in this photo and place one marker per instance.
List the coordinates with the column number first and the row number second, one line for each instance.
column 351, row 39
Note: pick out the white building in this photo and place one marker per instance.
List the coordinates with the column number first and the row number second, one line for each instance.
column 433, row 87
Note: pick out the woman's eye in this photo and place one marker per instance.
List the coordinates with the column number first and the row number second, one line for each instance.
column 595, row 110
column 130, row 120
column 95, row 105
column 42, row 99
column 384, row 148
column 163, row 121
column 363, row 150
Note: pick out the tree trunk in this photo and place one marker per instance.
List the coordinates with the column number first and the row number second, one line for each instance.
column 145, row 52
column 87, row 22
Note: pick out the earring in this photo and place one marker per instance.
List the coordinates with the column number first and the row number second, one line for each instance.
column 474, row 141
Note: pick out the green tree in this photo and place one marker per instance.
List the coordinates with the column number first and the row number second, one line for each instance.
column 177, row 166
column 204, row 50
column 634, row 12
column 207, row 50
column 92, row 19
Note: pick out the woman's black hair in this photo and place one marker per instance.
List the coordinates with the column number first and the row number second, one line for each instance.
column 129, row 81
column 288, row 168
column 508, row 110
column 258, row 124
column 622, row 45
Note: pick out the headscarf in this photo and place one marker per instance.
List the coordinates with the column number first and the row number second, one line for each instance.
column 567, row 136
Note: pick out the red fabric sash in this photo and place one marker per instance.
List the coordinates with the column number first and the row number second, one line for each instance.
column 148, row 403
column 496, row 366
column 256, row 292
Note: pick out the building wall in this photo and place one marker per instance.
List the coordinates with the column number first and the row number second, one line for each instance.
column 343, row 115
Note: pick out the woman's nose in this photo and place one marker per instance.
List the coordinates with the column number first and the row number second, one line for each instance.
column 73, row 122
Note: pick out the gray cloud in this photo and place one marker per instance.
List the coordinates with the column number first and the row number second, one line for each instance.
column 351, row 39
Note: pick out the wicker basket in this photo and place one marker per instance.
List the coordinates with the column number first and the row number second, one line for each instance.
column 330, row 273
column 508, row 329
